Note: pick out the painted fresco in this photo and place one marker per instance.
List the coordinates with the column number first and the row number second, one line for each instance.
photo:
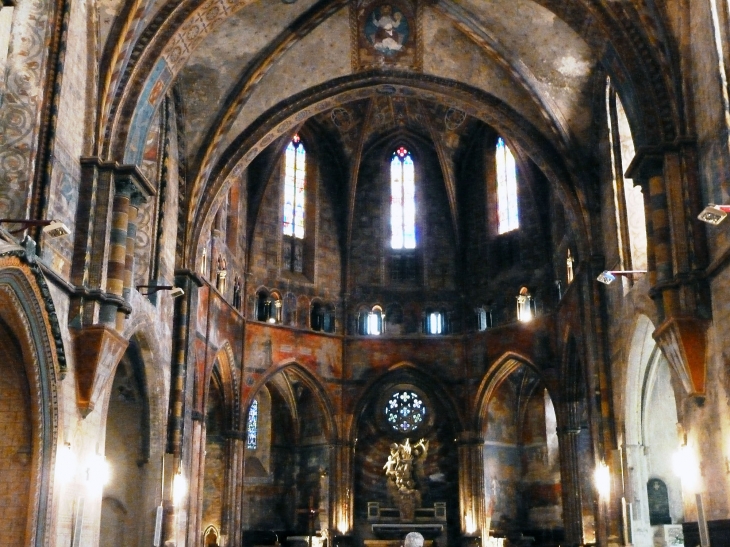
column 386, row 34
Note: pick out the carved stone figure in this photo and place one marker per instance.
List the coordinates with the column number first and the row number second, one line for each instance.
column 399, row 471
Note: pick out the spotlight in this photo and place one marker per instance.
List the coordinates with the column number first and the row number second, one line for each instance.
column 609, row 276
column 54, row 228
column 152, row 289
column 714, row 214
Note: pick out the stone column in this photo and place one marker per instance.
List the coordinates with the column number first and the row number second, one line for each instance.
column 475, row 514
column 133, row 211
column 570, row 478
column 342, row 489
column 116, row 264
column 178, row 374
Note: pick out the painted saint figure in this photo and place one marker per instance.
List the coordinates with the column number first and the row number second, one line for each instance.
column 387, row 29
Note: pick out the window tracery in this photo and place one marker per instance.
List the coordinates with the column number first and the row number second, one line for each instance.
column 405, row 411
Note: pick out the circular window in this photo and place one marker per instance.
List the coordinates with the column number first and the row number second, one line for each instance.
column 405, row 411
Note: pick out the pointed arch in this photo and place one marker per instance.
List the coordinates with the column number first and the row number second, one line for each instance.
column 149, row 352
column 398, row 373
column 322, row 399
column 223, row 366
column 642, row 352
column 497, row 373
column 25, row 309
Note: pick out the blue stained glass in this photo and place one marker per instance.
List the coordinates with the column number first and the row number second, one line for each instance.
column 295, row 189
column 402, row 200
column 507, row 211
column 252, row 427
column 405, row 411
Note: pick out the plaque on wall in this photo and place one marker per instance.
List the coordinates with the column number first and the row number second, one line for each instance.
column 386, row 34
column 658, row 502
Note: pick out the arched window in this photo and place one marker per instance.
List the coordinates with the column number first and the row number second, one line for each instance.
column 484, row 318
column 295, row 188
column 252, row 427
column 371, row 321
column 402, row 200
column 322, row 317
column 268, row 307
column 628, row 198
column 507, row 212
column 435, row 322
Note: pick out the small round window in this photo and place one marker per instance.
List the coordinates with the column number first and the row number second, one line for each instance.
column 405, row 411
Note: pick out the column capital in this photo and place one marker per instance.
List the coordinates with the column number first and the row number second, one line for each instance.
column 648, row 162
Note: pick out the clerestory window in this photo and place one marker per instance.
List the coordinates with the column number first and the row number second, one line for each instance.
column 295, row 188
column 402, row 200
column 507, row 211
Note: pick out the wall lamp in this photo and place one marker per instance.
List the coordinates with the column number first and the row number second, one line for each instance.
column 609, row 276
column 714, row 214
column 54, row 228
column 152, row 289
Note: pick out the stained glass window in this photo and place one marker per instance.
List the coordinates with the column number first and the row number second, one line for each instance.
column 405, row 411
column 294, row 188
column 252, row 428
column 507, row 212
column 402, row 200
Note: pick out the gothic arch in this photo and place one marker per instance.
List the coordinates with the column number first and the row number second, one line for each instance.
column 502, row 367
column 150, row 354
column 407, row 372
column 223, row 366
column 298, row 370
column 642, row 353
column 24, row 309
column 283, row 118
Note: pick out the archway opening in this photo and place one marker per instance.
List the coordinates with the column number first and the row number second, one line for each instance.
column 214, row 476
column 286, row 463
column 522, row 460
column 16, row 441
column 128, row 503
column 651, row 443
column 406, row 463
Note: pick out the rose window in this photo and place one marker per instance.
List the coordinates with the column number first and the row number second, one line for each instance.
column 405, row 411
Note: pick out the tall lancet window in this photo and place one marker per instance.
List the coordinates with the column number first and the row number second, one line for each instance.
column 295, row 188
column 507, row 212
column 402, row 200
column 252, row 428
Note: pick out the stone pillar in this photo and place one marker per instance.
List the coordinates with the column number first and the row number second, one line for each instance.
column 474, row 512
column 570, row 478
column 133, row 211
column 187, row 280
column 116, row 264
column 342, row 507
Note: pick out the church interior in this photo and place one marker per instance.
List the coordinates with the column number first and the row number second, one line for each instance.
column 323, row 273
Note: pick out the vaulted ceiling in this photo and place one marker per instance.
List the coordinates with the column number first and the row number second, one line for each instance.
column 533, row 66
